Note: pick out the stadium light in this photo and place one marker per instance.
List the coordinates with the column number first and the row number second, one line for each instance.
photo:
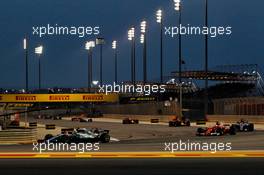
column 95, row 82
column 160, row 21
column 101, row 42
column 143, row 40
column 131, row 37
column 143, row 26
column 114, row 47
column 25, row 47
column 114, row 44
column 25, row 43
column 39, row 51
column 177, row 5
column 131, row 34
column 159, row 16
column 89, row 45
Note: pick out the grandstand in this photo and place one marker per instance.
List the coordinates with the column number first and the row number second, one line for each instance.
column 227, row 82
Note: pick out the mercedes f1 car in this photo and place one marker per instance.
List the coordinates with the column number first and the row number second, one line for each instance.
column 244, row 126
column 80, row 136
column 217, row 130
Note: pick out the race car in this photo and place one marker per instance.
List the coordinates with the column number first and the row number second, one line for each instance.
column 217, row 130
column 244, row 126
column 130, row 121
column 176, row 122
column 81, row 119
column 80, row 136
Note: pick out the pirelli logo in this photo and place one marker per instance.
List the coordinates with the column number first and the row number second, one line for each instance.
column 93, row 97
column 59, row 97
column 25, row 98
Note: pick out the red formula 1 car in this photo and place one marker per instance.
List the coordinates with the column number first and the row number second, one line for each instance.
column 217, row 130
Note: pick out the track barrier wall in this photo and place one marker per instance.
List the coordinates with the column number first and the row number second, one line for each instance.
column 18, row 136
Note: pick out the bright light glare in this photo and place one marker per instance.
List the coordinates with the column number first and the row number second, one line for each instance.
column 114, row 44
column 131, row 33
column 177, row 4
column 39, row 50
column 89, row 45
column 142, row 38
column 159, row 16
column 95, row 83
column 143, row 26
column 25, row 44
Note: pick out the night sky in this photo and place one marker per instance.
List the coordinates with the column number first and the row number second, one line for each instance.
column 64, row 60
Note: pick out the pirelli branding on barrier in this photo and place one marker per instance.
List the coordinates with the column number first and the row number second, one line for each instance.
column 31, row 98
column 59, row 97
column 93, row 97
column 25, row 98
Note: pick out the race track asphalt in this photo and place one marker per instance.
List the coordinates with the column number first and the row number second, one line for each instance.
column 216, row 166
column 145, row 137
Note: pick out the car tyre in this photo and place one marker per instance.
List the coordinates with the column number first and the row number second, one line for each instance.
column 105, row 138
column 48, row 136
column 251, row 127
column 188, row 123
column 219, row 131
column 232, row 130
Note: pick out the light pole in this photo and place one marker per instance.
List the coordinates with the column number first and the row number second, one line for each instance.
column 39, row 51
column 114, row 47
column 206, row 62
column 178, row 8
column 160, row 21
column 131, row 37
column 101, row 42
column 89, row 46
column 25, row 46
column 143, row 40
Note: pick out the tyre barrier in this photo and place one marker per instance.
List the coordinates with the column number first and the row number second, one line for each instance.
column 33, row 125
column 201, row 122
column 154, row 120
column 50, row 126
column 18, row 136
